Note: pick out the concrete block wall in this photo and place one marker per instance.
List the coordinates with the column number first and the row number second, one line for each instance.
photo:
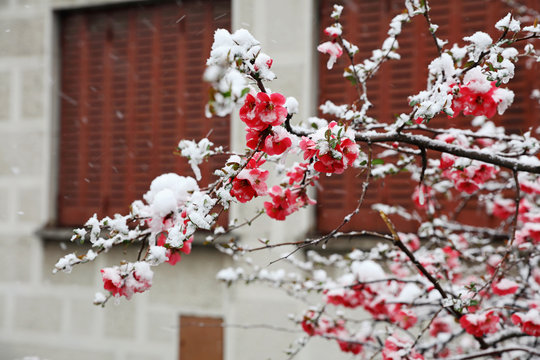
column 51, row 317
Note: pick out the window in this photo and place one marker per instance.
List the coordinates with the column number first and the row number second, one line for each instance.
column 201, row 338
column 131, row 79
column 366, row 24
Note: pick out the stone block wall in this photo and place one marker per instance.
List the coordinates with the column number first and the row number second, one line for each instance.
column 51, row 317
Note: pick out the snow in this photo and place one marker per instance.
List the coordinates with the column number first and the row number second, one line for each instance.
column 196, row 153
column 480, row 42
column 504, row 98
column 157, row 255
column 477, row 81
column 509, row 23
column 351, row 48
column 319, row 275
column 179, row 188
column 99, row 298
column 229, row 274
column 506, row 284
column 533, row 315
column 367, row 270
column 533, row 29
column 409, row 293
column 334, row 31
column 291, row 104
column 336, row 13
column 143, row 271
column 330, row 108
column 164, row 203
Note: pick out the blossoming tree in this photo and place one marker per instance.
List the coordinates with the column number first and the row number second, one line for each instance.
column 448, row 290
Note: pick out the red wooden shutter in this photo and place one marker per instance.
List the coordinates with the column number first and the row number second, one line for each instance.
column 201, row 338
column 131, row 89
column 365, row 24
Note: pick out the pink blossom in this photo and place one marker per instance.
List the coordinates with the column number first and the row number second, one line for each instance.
column 331, row 48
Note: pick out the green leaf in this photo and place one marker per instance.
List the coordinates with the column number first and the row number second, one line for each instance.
column 244, row 92
column 327, row 134
column 377, row 161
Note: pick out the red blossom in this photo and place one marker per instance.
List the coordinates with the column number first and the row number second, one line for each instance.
column 263, row 111
column 404, row 318
column 398, row 348
column 529, row 322
column 503, row 208
column 309, row 147
column 270, row 109
column 331, row 48
column 477, row 98
column 127, row 279
column 250, row 182
column 277, row 141
column 504, row 287
column 283, row 203
column 423, row 197
column 479, row 324
column 439, row 325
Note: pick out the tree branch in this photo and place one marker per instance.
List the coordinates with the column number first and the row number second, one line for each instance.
column 496, row 352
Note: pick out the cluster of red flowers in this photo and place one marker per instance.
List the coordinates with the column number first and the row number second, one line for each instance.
column 286, row 201
column 475, row 100
column 469, row 178
column 334, row 153
column 276, row 140
column 263, row 111
column 439, row 326
column 504, row 287
column 263, row 116
column 316, row 324
column 296, row 175
column 370, row 299
column 174, row 255
column 529, row 322
column 127, row 279
column 398, row 348
column 479, row 324
column 250, row 182
column 504, row 208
